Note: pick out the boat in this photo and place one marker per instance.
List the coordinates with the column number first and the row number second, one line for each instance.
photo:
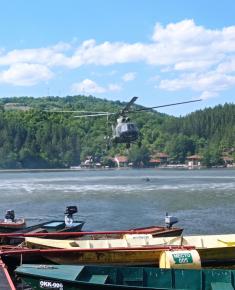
column 113, row 256
column 213, row 249
column 67, row 225
column 69, row 277
column 59, row 230
column 130, row 250
column 161, row 231
column 5, row 279
column 10, row 223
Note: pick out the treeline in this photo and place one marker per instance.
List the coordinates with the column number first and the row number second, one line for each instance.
column 32, row 137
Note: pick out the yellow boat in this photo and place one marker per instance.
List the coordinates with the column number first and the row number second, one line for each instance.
column 137, row 249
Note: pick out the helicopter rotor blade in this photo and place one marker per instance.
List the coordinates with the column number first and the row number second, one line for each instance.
column 168, row 105
column 65, row 111
column 127, row 107
column 94, row 115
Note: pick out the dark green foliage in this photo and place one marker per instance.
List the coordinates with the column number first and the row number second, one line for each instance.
column 37, row 139
column 139, row 157
column 212, row 157
column 181, row 147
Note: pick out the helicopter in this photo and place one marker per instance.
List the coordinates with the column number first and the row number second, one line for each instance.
column 125, row 131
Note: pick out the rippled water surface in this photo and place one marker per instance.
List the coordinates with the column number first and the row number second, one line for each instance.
column 203, row 200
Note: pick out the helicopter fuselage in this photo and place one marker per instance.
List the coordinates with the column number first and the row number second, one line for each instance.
column 125, row 132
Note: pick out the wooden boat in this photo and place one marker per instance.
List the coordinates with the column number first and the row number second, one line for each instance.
column 131, row 250
column 160, row 231
column 213, row 249
column 5, row 279
column 69, row 277
column 10, row 223
column 112, row 256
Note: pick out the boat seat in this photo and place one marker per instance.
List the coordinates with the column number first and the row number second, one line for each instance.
column 118, row 243
column 221, row 286
column 99, row 244
column 133, row 282
column 99, row 279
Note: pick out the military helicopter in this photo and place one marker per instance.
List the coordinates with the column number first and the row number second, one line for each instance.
column 125, row 131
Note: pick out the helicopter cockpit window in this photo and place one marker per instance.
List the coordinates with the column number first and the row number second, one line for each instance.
column 131, row 127
column 124, row 127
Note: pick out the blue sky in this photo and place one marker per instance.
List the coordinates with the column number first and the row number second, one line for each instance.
column 160, row 51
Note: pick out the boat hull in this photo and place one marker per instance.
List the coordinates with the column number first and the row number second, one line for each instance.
column 91, row 277
column 130, row 258
column 213, row 249
column 9, row 227
column 208, row 257
column 217, row 256
column 46, row 227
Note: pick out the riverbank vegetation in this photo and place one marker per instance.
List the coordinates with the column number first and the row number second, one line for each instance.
column 31, row 137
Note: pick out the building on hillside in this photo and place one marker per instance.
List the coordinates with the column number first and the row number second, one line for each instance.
column 228, row 161
column 154, row 162
column 162, row 157
column 16, row 106
column 121, row 161
column 194, row 161
column 88, row 163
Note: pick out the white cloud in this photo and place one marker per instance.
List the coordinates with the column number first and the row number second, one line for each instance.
column 209, row 84
column 49, row 56
column 129, row 77
column 106, row 53
column 23, row 74
column 206, row 55
column 182, row 45
column 88, row 86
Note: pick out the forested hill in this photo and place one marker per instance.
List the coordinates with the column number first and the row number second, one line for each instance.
column 34, row 138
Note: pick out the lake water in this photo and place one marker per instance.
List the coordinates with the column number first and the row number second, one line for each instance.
column 203, row 200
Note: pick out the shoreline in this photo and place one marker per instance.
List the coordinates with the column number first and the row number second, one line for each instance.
column 106, row 169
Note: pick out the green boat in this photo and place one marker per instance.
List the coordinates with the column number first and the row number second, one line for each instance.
column 70, row 277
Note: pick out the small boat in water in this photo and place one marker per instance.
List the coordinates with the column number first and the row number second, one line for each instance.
column 68, row 277
column 10, row 223
column 67, row 225
column 213, row 249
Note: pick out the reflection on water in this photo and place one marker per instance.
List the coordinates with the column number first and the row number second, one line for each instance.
column 203, row 200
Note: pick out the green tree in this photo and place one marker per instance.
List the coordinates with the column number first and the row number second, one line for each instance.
column 139, row 156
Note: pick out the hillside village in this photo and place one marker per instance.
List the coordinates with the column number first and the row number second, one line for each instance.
column 32, row 137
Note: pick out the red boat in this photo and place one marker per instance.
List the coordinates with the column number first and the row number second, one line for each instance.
column 10, row 223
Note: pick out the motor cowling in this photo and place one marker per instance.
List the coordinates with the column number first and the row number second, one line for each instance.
column 10, row 215
column 68, row 219
column 72, row 209
column 170, row 220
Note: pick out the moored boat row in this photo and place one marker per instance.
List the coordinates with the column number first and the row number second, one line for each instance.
column 162, row 247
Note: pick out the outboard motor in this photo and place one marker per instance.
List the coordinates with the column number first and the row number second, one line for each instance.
column 68, row 219
column 10, row 216
column 170, row 220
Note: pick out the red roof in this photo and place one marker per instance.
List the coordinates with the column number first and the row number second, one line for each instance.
column 121, row 159
column 195, row 157
column 155, row 160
